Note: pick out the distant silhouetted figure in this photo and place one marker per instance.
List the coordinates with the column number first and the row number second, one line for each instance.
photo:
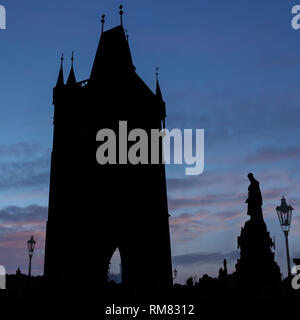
column 254, row 200
column 18, row 272
column 225, row 267
column 223, row 272
column 190, row 282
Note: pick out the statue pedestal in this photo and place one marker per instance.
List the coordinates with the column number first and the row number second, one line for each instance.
column 256, row 265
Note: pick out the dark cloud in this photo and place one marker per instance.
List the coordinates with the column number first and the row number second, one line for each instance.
column 13, row 214
column 24, row 165
column 275, row 193
column 217, row 200
column 19, row 149
column 190, row 226
column 199, row 258
column 195, row 182
column 192, row 202
column 227, row 215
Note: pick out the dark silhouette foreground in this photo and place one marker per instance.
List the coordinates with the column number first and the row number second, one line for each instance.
column 256, row 282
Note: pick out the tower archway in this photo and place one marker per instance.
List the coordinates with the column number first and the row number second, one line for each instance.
column 115, row 267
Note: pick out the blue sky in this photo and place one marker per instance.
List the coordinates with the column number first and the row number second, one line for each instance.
column 230, row 67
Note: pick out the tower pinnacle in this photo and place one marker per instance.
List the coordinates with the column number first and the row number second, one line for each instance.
column 158, row 91
column 71, row 79
column 60, row 79
column 103, row 21
column 160, row 98
column 121, row 14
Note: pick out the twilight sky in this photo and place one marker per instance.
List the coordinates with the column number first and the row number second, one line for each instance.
column 230, row 67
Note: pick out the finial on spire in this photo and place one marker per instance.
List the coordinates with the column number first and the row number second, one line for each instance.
column 103, row 21
column 72, row 58
column 121, row 14
column 62, row 58
column 156, row 72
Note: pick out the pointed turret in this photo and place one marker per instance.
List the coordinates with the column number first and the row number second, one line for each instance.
column 72, row 79
column 60, row 80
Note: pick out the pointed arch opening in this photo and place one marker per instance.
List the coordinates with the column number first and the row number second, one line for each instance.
column 115, row 267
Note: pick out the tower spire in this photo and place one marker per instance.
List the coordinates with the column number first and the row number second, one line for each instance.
column 103, row 21
column 71, row 79
column 158, row 91
column 60, row 79
column 160, row 98
column 121, row 14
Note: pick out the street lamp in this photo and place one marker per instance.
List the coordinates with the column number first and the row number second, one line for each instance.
column 284, row 213
column 31, row 245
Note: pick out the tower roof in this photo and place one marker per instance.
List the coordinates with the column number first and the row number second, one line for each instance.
column 113, row 67
column 113, row 54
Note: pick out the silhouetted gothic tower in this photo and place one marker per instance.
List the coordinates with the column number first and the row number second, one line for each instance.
column 95, row 209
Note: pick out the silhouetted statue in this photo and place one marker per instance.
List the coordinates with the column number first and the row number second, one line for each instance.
column 256, row 266
column 254, row 200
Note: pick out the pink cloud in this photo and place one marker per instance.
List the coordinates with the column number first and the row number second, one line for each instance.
column 272, row 154
column 16, row 227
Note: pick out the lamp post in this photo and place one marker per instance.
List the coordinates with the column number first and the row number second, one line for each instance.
column 284, row 213
column 31, row 245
